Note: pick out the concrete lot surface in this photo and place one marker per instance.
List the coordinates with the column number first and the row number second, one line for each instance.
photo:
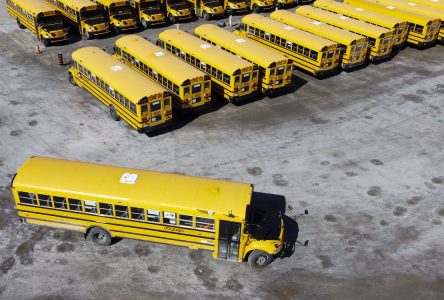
column 363, row 151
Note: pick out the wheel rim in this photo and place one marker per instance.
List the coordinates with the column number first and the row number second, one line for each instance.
column 261, row 260
column 100, row 238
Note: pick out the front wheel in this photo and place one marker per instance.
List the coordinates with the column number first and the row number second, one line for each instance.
column 172, row 19
column 71, row 79
column 256, row 9
column 145, row 24
column 87, row 35
column 45, row 42
column 206, row 16
column 99, row 236
column 117, row 30
column 259, row 259
column 229, row 11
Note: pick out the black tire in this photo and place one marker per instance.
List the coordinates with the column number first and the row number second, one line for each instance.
column 113, row 113
column 45, row 42
column 71, row 79
column 256, row 9
column 145, row 24
column 206, row 16
column 259, row 259
column 87, row 35
column 20, row 25
column 172, row 19
column 99, row 236
column 117, row 30
column 229, row 11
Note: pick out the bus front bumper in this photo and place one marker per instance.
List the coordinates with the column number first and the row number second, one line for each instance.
column 348, row 66
column 243, row 97
column 99, row 33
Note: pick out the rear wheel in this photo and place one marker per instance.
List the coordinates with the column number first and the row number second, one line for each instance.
column 113, row 113
column 71, row 79
column 99, row 236
column 20, row 25
column 259, row 259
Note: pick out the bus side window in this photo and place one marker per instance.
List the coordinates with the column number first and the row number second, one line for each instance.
column 169, row 218
column 45, row 200
column 121, row 211
column 153, row 215
column 205, row 223
column 59, row 202
column 90, row 207
column 75, row 204
column 186, row 221
column 137, row 213
column 106, row 209
column 27, row 198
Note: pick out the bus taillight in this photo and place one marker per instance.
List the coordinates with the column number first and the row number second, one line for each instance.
column 168, row 112
column 236, row 89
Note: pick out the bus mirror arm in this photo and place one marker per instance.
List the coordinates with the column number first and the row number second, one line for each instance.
column 305, row 244
column 300, row 215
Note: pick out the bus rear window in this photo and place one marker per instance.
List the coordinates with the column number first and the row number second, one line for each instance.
column 155, row 106
column 280, row 71
column 330, row 54
column 196, row 88
column 144, row 109
column 358, row 48
column 245, row 78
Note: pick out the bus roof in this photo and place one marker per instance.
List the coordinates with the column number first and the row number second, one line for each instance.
column 359, row 13
column 344, row 22
column 259, row 55
column 34, row 7
column 78, row 4
column 90, row 181
column 393, row 11
column 226, row 62
column 430, row 3
column 162, row 61
column 412, row 7
column 116, row 74
column 336, row 34
column 290, row 33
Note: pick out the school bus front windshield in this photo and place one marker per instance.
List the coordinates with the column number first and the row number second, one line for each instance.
column 92, row 17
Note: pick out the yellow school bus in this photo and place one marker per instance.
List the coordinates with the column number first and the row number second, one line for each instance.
column 207, row 9
column 285, row 3
column 235, row 6
column 119, row 14
column 309, row 52
column 177, row 10
column 85, row 15
column 148, row 12
column 232, row 77
column 258, row 6
column 40, row 18
column 106, row 202
column 354, row 46
column 416, row 8
column 191, row 88
column 380, row 39
column 275, row 70
column 144, row 105
column 423, row 30
column 399, row 27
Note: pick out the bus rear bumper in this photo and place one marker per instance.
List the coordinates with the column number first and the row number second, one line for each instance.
column 242, row 97
column 348, row 66
column 154, row 128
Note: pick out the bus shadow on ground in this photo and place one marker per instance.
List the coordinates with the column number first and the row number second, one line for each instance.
column 272, row 206
column 296, row 84
column 182, row 119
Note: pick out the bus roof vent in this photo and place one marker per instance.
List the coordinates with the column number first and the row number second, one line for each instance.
column 116, row 68
column 288, row 27
column 317, row 23
column 128, row 178
column 240, row 40
column 159, row 53
column 205, row 46
column 359, row 9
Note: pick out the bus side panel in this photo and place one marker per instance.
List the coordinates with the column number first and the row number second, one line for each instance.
column 24, row 21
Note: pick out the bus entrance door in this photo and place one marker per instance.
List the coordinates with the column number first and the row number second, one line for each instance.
column 229, row 239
